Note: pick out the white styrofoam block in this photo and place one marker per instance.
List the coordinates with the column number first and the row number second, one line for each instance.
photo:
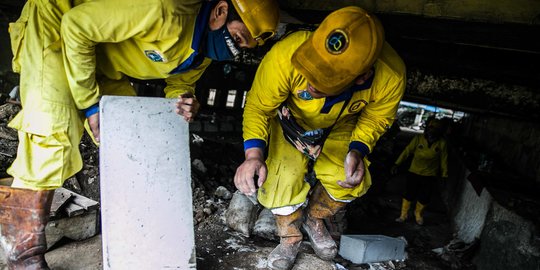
column 146, row 199
column 371, row 248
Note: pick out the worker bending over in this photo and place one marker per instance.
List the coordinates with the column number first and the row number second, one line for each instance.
column 322, row 97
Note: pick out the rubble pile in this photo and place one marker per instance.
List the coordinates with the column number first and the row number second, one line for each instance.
column 8, row 137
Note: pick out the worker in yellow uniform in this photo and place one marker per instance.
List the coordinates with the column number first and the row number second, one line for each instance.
column 430, row 158
column 322, row 98
column 70, row 53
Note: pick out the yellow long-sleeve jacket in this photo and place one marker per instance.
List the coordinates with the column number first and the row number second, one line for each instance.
column 374, row 106
column 144, row 39
column 427, row 161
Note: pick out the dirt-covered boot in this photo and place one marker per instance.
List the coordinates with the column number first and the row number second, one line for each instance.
column 321, row 206
column 23, row 216
column 405, row 205
column 419, row 213
column 284, row 255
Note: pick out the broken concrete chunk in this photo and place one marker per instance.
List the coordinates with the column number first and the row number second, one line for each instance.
column 60, row 199
column 199, row 165
column 223, row 193
column 241, row 214
column 371, row 248
column 265, row 226
column 76, row 228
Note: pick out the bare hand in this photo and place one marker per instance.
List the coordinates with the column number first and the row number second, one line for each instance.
column 93, row 122
column 187, row 106
column 354, row 170
column 253, row 165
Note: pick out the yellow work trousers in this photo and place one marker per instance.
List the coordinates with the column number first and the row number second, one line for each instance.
column 49, row 125
column 285, row 185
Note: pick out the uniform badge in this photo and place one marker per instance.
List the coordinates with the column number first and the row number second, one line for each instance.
column 304, row 94
column 155, row 56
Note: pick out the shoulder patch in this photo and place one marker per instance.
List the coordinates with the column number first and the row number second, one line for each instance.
column 155, row 56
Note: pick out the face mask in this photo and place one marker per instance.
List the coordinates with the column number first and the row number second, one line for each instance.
column 220, row 45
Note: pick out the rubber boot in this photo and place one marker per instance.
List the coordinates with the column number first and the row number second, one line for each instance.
column 284, row 255
column 321, row 206
column 405, row 205
column 419, row 213
column 23, row 216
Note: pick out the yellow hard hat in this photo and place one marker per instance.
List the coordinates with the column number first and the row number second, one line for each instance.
column 344, row 46
column 260, row 16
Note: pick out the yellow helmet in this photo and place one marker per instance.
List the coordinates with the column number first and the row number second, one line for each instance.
column 344, row 46
column 260, row 16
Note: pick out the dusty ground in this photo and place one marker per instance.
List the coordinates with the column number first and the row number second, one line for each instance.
column 218, row 247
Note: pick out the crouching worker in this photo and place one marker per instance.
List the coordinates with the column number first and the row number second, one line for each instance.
column 319, row 98
column 70, row 53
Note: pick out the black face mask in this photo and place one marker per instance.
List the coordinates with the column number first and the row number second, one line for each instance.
column 220, row 45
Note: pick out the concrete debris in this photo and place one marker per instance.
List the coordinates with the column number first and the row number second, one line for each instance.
column 371, row 248
column 15, row 93
column 8, row 133
column 199, row 165
column 383, row 266
column 241, row 214
column 457, row 253
column 265, row 226
column 223, row 193
column 72, row 216
column 8, row 111
column 308, row 261
column 197, row 139
column 238, row 245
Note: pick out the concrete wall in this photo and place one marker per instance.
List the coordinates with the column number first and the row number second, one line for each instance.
column 500, row 216
column 471, row 211
column 508, row 242
column 511, row 142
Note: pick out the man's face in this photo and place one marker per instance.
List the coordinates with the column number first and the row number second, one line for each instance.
column 358, row 80
column 314, row 92
column 241, row 35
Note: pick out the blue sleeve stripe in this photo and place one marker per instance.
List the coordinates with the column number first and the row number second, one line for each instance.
column 360, row 147
column 254, row 143
column 91, row 110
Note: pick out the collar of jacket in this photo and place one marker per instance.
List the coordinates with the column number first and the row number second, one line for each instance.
column 347, row 94
column 201, row 24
